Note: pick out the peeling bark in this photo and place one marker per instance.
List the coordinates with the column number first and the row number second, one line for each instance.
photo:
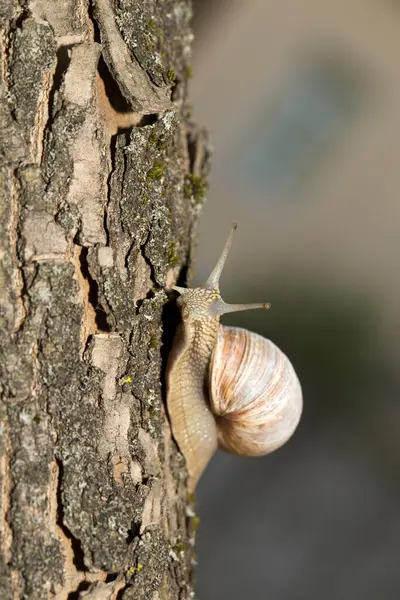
column 97, row 219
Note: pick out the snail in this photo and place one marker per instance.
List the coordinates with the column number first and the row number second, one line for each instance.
column 226, row 387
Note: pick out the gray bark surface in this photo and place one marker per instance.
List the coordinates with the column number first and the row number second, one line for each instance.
column 102, row 180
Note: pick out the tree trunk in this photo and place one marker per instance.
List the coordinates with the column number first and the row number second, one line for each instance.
column 102, row 180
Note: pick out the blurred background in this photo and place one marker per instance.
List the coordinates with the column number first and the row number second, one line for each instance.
column 303, row 103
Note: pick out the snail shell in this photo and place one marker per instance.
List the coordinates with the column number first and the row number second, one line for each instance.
column 254, row 393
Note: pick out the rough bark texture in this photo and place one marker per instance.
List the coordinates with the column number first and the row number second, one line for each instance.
column 101, row 185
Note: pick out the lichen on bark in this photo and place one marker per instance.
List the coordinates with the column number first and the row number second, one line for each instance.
column 95, row 225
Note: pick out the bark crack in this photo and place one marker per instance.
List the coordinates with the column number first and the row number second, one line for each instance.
column 62, row 64
column 75, row 543
column 6, row 487
column 42, row 117
column 76, row 576
column 112, row 157
column 149, row 263
column 91, row 291
column 18, row 279
column 89, row 324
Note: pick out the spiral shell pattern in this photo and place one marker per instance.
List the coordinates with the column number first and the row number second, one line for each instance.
column 255, row 393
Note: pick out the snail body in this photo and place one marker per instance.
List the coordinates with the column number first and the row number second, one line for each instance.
column 226, row 387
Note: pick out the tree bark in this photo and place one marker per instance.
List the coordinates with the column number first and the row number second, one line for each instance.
column 102, row 179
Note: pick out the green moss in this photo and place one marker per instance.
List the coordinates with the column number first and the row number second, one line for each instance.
column 195, row 523
column 153, row 138
column 153, row 341
column 171, row 75
column 195, row 187
column 173, row 258
column 151, row 35
column 157, row 141
column 37, row 419
column 157, row 170
column 124, row 380
column 145, row 199
column 180, row 546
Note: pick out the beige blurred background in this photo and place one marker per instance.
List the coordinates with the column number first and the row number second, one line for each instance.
column 303, row 103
